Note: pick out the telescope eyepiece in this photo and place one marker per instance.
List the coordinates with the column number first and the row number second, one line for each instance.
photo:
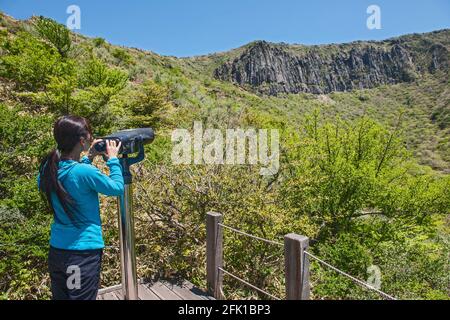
column 101, row 145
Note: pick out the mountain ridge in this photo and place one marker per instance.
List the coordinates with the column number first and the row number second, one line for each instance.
column 196, row 93
column 272, row 68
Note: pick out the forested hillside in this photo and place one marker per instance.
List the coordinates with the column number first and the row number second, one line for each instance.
column 365, row 157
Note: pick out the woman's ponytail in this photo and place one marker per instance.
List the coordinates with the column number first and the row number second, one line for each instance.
column 49, row 183
column 67, row 132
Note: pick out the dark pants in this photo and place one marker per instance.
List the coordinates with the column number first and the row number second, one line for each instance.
column 74, row 274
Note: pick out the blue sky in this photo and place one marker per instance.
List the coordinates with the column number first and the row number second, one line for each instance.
column 194, row 27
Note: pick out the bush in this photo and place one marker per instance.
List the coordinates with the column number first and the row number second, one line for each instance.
column 122, row 56
column 28, row 62
column 149, row 105
column 54, row 33
column 98, row 42
column 24, row 217
column 340, row 172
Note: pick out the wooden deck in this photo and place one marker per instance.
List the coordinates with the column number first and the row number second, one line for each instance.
column 160, row 290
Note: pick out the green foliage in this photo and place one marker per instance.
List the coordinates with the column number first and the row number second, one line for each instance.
column 349, row 254
column 24, row 217
column 95, row 74
column 25, row 139
column 87, row 93
column 349, row 177
column 54, row 33
column 349, row 185
column 173, row 223
column 149, row 104
column 23, row 257
column 98, row 42
column 59, row 96
column 99, row 85
column 28, row 62
column 342, row 172
column 122, row 56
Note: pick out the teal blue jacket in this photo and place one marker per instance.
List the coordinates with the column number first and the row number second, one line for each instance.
column 83, row 182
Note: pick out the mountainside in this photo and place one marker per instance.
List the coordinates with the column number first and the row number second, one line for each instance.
column 363, row 172
column 375, row 78
column 279, row 68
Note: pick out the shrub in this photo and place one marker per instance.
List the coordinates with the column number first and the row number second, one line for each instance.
column 54, row 33
column 149, row 104
column 122, row 56
column 98, row 42
column 28, row 62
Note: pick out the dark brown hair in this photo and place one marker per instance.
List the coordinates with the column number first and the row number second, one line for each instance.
column 67, row 132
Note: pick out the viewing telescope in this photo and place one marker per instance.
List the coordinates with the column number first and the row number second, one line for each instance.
column 133, row 140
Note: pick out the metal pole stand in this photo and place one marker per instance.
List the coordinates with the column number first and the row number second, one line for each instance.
column 126, row 228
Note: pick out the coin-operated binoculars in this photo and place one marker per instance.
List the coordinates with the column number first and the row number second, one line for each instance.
column 133, row 140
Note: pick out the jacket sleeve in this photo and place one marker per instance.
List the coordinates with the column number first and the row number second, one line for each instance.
column 112, row 185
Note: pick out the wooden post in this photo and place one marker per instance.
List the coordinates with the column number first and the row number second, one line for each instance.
column 296, row 267
column 214, row 254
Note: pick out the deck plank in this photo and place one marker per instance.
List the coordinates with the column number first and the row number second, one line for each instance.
column 197, row 291
column 163, row 292
column 110, row 296
column 183, row 292
column 118, row 294
column 160, row 290
column 145, row 293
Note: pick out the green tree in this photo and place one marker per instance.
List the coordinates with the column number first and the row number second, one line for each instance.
column 87, row 93
column 339, row 173
column 29, row 62
column 149, row 105
column 98, row 84
column 54, row 33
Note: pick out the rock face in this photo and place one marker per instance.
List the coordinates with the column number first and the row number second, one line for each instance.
column 278, row 68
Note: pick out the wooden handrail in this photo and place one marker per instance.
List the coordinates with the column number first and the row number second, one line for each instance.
column 296, row 261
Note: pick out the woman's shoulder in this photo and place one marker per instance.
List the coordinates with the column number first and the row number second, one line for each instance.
column 84, row 169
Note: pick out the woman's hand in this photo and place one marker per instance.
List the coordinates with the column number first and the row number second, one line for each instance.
column 92, row 153
column 112, row 148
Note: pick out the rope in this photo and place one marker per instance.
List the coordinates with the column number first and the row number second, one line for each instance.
column 362, row 283
column 250, row 235
column 248, row 284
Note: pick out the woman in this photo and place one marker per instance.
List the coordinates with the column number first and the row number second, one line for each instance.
column 71, row 188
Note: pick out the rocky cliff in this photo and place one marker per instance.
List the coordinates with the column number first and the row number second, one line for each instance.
column 280, row 68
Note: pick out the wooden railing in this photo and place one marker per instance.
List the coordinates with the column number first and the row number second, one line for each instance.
column 296, row 261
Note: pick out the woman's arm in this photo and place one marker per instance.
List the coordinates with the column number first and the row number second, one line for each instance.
column 112, row 185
